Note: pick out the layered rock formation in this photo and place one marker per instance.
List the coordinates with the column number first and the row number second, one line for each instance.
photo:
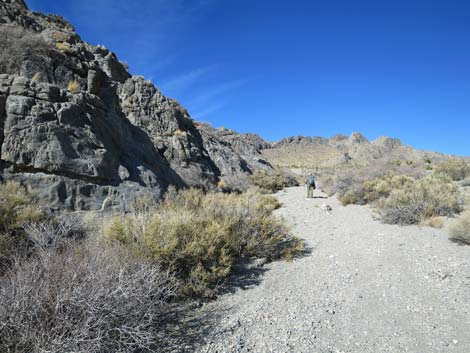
column 82, row 132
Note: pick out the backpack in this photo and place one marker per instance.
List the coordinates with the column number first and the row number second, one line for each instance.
column 311, row 180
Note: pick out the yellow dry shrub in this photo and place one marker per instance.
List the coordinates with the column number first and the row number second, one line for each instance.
column 64, row 47
column 416, row 202
column 36, row 77
column 460, row 228
column 382, row 187
column 73, row 86
column 16, row 207
column 273, row 180
column 456, row 168
column 198, row 236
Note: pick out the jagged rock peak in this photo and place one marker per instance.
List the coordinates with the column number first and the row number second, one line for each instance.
column 357, row 138
column 387, row 142
column 338, row 138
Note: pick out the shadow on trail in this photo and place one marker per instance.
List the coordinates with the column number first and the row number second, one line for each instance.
column 187, row 326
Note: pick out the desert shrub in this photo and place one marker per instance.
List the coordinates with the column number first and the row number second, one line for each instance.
column 17, row 208
column 63, row 47
column 374, row 189
column 16, row 44
column 198, row 236
column 272, row 181
column 460, row 228
column 457, row 169
column 83, row 298
column 378, row 188
column 465, row 182
column 421, row 200
column 353, row 196
column 234, row 183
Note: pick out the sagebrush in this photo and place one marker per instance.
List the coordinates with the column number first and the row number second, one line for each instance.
column 83, row 298
column 460, row 228
column 425, row 198
column 198, row 236
column 274, row 180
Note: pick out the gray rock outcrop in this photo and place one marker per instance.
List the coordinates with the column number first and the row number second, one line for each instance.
column 82, row 132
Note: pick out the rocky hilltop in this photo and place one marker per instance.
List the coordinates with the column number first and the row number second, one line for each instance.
column 84, row 133
column 338, row 150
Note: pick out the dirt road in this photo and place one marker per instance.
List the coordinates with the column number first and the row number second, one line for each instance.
column 363, row 287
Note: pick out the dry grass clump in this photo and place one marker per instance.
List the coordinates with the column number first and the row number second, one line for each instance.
column 16, row 44
column 82, row 298
column 375, row 189
column 415, row 202
column 17, row 208
column 73, row 86
column 456, row 168
column 198, row 236
column 460, row 229
column 64, row 47
column 275, row 180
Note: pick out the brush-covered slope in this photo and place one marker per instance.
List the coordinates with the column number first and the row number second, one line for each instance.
column 339, row 150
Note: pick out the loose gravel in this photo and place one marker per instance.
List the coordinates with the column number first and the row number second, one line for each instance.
column 363, row 287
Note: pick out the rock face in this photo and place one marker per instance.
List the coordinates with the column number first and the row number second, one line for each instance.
column 82, row 132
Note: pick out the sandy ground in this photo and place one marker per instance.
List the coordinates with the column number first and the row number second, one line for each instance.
column 362, row 287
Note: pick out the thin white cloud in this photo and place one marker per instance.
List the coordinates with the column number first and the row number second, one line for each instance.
column 187, row 79
column 204, row 97
column 209, row 110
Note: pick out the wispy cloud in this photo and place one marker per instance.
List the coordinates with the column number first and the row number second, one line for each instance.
column 208, row 110
column 187, row 79
column 213, row 92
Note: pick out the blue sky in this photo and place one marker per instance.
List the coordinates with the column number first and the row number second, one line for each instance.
column 280, row 68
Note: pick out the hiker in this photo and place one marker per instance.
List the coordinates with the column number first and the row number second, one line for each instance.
column 310, row 182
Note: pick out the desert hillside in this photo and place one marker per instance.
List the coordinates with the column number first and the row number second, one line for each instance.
column 322, row 153
column 127, row 226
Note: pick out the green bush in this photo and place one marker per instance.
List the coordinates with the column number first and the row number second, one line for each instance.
column 415, row 202
column 460, row 229
column 198, row 236
column 457, row 169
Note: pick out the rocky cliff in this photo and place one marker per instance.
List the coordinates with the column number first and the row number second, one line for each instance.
column 82, row 132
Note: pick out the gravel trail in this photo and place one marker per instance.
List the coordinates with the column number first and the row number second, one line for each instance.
column 364, row 287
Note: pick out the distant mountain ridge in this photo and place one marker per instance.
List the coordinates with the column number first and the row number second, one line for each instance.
column 321, row 152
